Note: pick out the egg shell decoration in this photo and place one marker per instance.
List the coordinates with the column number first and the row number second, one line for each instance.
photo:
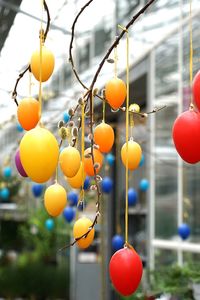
column 47, row 67
column 4, row 193
column 7, row 172
column 73, row 198
column 81, row 226
column 186, row 136
column 70, row 161
column 28, row 113
column 126, row 271
column 88, row 165
column 39, row 153
column 19, row 166
column 77, row 181
column 104, row 137
column 115, row 92
column 110, row 158
column 144, row 184
column 196, row 90
column 49, row 224
column 37, row 190
column 66, row 117
column 134, row 155
column 117, row 242
column 132, row 197
column 69, row 214
column 55, row 199
column 142, row 161
column 86, row 183
column 107, row 185
column 19, row 128
column 184, row 231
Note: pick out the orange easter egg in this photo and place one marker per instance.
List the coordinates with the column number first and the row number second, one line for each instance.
column 39, row 153
column 47, row 64
column 77, row 181
column 134, row 155
column 70, row 161
column 28, row 113
column 81, row 226
column 55, row 199
column 88, row 165
column 115, row 92
column 104, row 137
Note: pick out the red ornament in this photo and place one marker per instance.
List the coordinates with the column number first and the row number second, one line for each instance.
column 196, row 90
column 186, row 136
column 126, row 271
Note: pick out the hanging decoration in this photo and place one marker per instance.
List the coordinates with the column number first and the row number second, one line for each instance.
column 69, row 214
column 117, row 242
column 184, row 231
column 37, row 190
column 110, row 158
column 73, row 198
column 19, row 166
column 107, row 185
column 49, row 224
column 7, row 172
column 28, row 113
column 55, row 199
column 86, row 183
column 132, row 197
column 81, row 228
column 144, row 185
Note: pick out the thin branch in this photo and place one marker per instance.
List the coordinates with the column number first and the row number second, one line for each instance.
column 28, row 68
column 71, row 60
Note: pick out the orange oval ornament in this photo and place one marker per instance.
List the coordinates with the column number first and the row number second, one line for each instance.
column 104, row 137
column 88, row 164
column 81, row 226
column 115, row 92
column 77, row 181
column 28, row 113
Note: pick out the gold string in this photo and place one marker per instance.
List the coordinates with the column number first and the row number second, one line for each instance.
column 104, row 110
column 83, row 145
column 191, row 51
column 40, row 68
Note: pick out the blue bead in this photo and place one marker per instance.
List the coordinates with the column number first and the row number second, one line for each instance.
column 72, row 198
column 37, row 190
column 117, row 242
column 132, row 196
column 69, row 213
column 144, row 185
column 184, row 231
column 107, row 185
column 49, row 224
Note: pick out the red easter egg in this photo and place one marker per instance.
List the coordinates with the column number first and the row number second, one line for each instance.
column 196, row 89
column 186, row 136
column 126, row 271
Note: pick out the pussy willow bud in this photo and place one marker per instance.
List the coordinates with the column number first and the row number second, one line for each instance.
column 71, row 124
column 63, row 133
column 95, row 91
column 96, row 146
column 60, row 124
column 110, row 60
column 75, row 131
column 80, row 101
column 71, row 112
column 96, row 165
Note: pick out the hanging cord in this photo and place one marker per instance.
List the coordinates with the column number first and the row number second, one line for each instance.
column 118, row 204
column 40, row 67
column 104, row 110
column 83, row 147
column 191, row 55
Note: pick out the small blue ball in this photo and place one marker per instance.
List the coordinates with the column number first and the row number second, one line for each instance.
column 66, row 117
column 107, row 185
column 5, row 193
column 49, row 224
column 144, row 185
column 132, row 196
column 142, row 161
column 69, row 213
column 7, row 172
column 72, row 198
column 37, row 190
column 19, row 128
column 184, row 231
column 86, row 183
column 117, row 242
column 110, row 159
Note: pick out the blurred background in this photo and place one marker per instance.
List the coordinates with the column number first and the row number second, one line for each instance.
column 164, row 190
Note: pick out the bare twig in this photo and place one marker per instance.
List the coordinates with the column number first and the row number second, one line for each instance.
column 28, row 68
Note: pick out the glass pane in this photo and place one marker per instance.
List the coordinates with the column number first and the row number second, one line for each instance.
column 166, row 199
column 164, row 257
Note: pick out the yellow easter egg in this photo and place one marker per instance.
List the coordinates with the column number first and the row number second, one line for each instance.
column 134, row 155
column 70, row 161
column 77, row 181
column 81, row 226
column 39, row 153
column 55, row 199
column 47, row 64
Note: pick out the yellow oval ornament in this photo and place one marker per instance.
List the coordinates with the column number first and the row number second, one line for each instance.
column 77, row 181
column 81, row 226
column 70, row 161
column 134, row 155
column 55, row 199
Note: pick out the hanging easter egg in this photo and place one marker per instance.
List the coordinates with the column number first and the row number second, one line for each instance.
column 196, row 89
column 110, row 159
column 126, row 271
column 69, row 213
column 7, row 172
column 117, row 242
column 28, row 113
column 4, row 193
column 39, row 154
column 104, row 137
column 73, row 198
column 55, row 199
column 132, row 196
column 37, row 190
column 86, row 183
column 144, row 185
column 66, row 117
column 19, row 166
column 186, row 136
column 142, row 161
column 49, row 224
column 70, row 161
column 19, row 128
column 107, row 185
column 134, row 154
column 47, row 64
column 115, row 92
column 88, row 165
column 81, row 226
column 184, row 231
column 77, row 181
